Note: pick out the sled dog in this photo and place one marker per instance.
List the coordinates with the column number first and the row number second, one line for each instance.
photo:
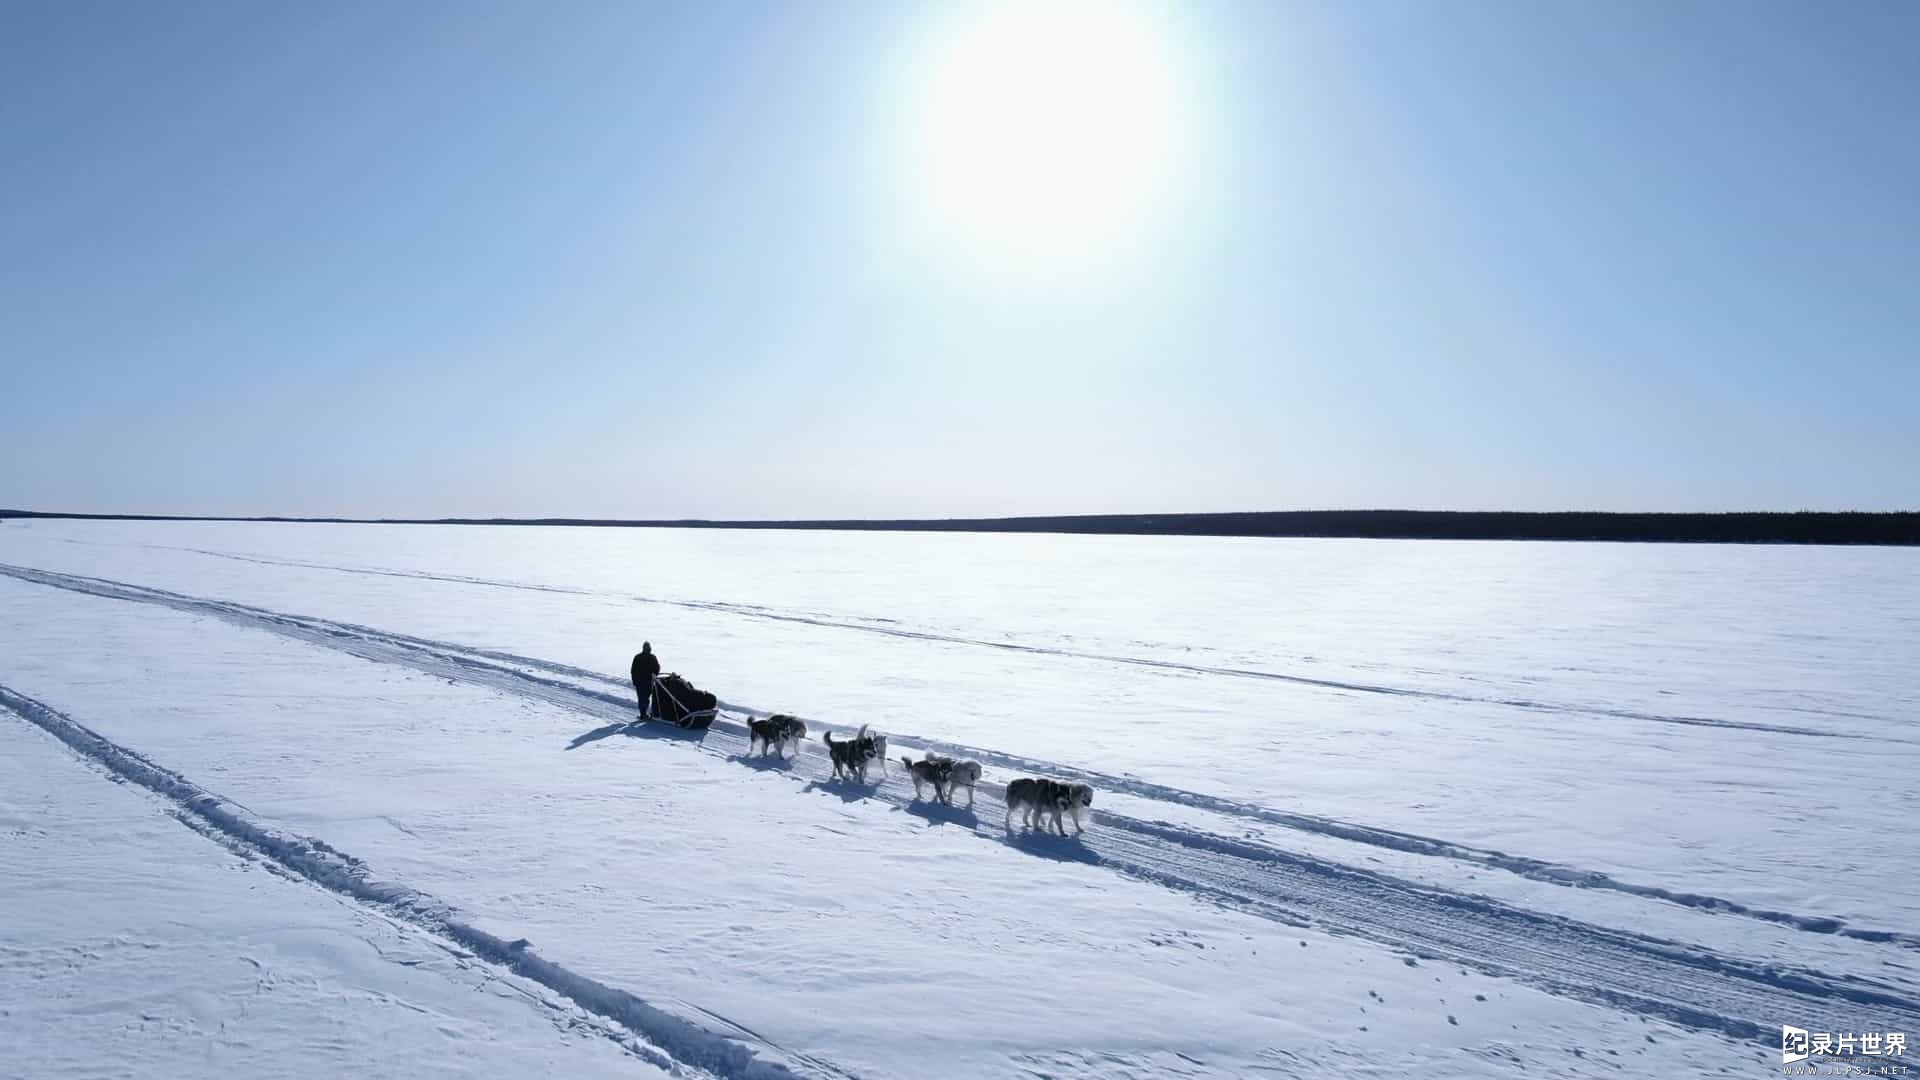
column 849, row 756
column 775, row 733
column 1036, row 800
column 931, row 770
column 961, row 774
column 872, row 748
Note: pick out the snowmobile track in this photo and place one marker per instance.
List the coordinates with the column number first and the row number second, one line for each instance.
column 675, row 1039
column 871, row 626
column 566, row 691
column 1683, row 983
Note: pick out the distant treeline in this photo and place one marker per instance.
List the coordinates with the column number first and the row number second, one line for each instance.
column 1744, row 528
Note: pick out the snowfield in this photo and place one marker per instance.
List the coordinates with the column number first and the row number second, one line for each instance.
column 1363, row 808
column 133, row 946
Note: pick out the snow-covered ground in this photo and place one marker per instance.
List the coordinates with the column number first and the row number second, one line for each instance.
column 1363, row 807
column 134, row 946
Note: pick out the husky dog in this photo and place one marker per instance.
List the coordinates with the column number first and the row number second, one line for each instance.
column 762, row 733
column 872, row 748
column 1036, row 799
column 960, row 774
column 1023, row 798
column 774, row 733
column 796, row 730
column 851, row 755
column 931, row 770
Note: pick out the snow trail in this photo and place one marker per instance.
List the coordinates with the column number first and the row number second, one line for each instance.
column 528, row 676
column 1686, row 983
column 819, row 619
column 340, row 872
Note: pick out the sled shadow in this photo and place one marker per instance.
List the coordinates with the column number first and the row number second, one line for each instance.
column 941, row 814
column 1057, row 848
column 660, row 729
column 638, row 729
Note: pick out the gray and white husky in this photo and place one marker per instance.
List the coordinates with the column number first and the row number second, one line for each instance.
column 775, row 733
column 959, row 774
column 966, row 774
column 1035, row 799
column 931, row 770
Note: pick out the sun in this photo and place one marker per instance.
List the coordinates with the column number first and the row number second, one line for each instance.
column 1046, row 131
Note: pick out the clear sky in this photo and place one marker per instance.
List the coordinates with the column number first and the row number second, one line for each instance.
column 878, row 259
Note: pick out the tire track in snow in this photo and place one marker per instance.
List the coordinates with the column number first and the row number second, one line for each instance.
column 1680, row 982
column 1413, row 843
column 343, row 637
column 685, row 1041
column 756, row 611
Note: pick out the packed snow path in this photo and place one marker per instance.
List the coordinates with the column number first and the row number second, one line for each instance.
column 134, row 947
column 324, row 865
column 1672, row 980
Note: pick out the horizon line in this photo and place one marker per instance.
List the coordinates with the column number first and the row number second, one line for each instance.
column 1850, row 527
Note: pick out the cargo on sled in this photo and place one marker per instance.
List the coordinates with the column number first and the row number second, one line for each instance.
column 681, row 703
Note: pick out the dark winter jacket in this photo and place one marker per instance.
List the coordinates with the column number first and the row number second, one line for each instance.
column 645, row 667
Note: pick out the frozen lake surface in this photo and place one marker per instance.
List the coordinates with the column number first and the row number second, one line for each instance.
column 1579, row 785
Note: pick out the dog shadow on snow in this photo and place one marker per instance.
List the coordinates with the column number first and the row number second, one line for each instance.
column 941, row 814
column 763, row 762
column 1044, row 845
column 636, row 729
column 846, row 790
column 1052, row 846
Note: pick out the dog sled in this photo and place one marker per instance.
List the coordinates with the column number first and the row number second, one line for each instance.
column 682, row 704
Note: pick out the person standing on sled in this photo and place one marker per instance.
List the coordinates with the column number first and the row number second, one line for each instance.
column 645, row 667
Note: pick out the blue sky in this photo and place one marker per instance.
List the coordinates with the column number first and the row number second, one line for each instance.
column 719, row 260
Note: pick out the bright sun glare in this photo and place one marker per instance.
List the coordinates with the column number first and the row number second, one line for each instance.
column 1048, row 129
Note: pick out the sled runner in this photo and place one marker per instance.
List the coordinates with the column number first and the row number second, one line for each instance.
column 681, row 703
